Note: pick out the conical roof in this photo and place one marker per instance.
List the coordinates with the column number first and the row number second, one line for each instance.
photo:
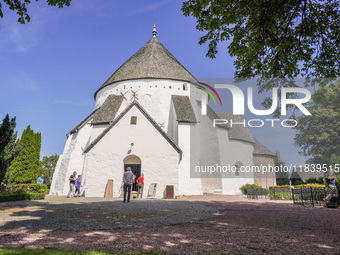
column 152, row 61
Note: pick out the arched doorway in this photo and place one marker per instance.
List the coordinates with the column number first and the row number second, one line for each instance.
column 135, row 163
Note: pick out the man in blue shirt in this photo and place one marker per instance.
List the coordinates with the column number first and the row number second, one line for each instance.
column 40, row 179
column 72, row 180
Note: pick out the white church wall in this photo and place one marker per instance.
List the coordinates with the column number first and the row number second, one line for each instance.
column 71, row 160
column 97, row 130
column 188, row 142
column 173, row 123
column 106, row 159
column 154, row 95
column 209, row 155
column 233, row 152
column 59, row 173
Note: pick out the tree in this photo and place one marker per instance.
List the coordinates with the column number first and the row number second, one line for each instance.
column 20, row 6
column 48, row 165
column 318, row 135
column 281, row 177
column 10, row 152
column 283, row 38
column 6, row 132
column 25, row 166
column 272, row 39
column 335, row 163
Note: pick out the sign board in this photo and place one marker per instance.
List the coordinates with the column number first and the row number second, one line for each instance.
column 152, row 190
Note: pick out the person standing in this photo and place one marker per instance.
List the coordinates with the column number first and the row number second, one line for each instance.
column 331, row 179
column 331, row 184
column 40, row 179
column 72, row 180
column 140, row 182
column 128, row 179
column 78, row 185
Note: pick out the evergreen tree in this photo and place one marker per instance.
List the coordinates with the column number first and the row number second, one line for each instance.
column 25, row 166
column 10, row 152
column 6, row 132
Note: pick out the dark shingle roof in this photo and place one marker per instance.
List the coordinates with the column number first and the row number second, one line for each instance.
column 237, row 132
column 305, row 174
column 107, row 112
column 212, row 115
column 260, row 149
column 81, row 124
column 152, row 61
column 183, row 109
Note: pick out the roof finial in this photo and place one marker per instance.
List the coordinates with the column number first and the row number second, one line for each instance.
column 154, row 31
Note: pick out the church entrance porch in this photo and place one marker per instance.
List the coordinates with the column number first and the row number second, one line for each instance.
column 135, row 163
column 136, row 169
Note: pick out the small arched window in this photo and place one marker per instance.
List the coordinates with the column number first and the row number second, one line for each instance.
column 184, row 86
column 238, row 165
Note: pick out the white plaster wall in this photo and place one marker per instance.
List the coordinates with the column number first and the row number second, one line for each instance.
column 154, row 95
column 106, row 159
column 97, row 130
column 231, row 153
column 71, row 160
column 189, row 144
column 173, row 124
column 209, row 155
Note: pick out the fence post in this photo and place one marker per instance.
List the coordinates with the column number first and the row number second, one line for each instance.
column 274, row 194
column 311, row 193
column 301, row 196
column 292, row 190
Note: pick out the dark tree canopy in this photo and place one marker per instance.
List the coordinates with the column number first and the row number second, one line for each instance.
column 282, row 39
column 49, row 163
column 20, row 7
column 6, row 133
column 318, row 135
column 47, row 167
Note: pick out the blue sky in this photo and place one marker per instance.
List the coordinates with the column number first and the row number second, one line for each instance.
column 51, row 66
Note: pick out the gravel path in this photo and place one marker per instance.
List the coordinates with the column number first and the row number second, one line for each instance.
column 242, row 226
column 98, row 214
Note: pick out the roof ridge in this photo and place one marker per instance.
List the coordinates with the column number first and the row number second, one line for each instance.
column 152, row 61
column 121, row 115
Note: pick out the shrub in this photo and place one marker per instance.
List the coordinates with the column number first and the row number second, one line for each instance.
column 246, row 187
column 25, row 188
column 309, row 185
column 280, row 194
column 23, row 192
column 298, row 186
column 280, row 187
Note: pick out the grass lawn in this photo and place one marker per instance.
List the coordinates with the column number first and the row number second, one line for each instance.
column 53, row 251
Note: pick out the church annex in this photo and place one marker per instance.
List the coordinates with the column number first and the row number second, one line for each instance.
column 147, row 115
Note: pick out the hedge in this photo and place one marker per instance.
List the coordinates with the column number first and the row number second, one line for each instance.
column 26, row 188
column 21, row 196
column 298, row 186
column 246, row 187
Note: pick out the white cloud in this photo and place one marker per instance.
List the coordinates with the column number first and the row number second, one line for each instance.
column 76, row 101
column 21, row 81
column 151, row 7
